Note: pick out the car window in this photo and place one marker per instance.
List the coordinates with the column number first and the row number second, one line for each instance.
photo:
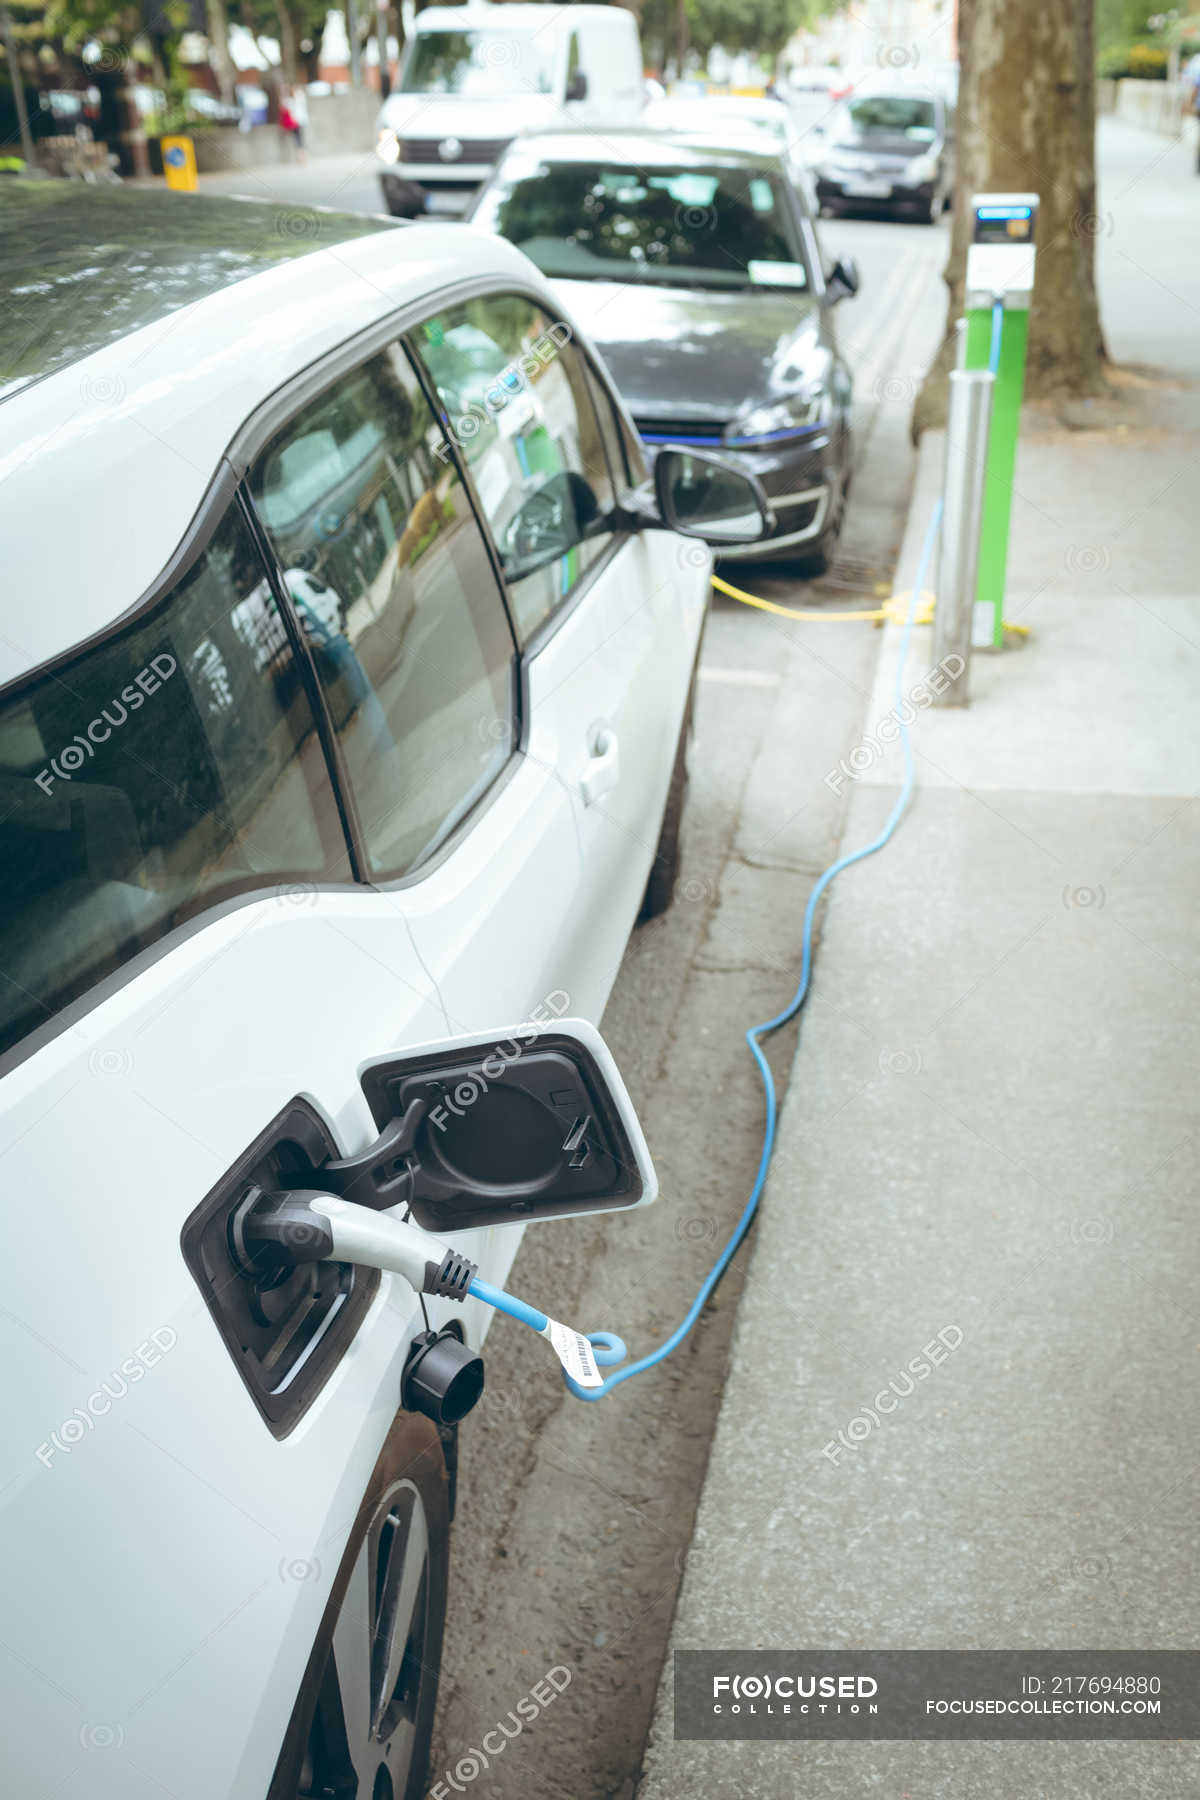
column 613, row 438
column 724, row 227
column 151, row 776
column 514, row 389
column 898, row 117
column 393, row 583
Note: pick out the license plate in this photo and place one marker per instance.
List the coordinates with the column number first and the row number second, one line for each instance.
column 868, row 190
column 451, row 203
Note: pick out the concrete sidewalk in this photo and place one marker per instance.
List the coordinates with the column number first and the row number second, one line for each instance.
column 991, row 1127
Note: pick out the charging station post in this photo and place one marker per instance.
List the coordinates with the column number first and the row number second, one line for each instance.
column 967, row 422
column 1000, row 268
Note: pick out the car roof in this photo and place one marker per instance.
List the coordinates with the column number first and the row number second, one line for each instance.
column 535, row 16
column 105, row 460
column 84, row 266
column 726, row 103
column 641, row 147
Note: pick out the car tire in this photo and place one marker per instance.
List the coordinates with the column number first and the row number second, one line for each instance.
column 664, row 870
column 366, row 1727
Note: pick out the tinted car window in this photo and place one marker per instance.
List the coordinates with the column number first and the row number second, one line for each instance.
column 392, row 580
column 151, row 776
column 608, row 221
column 516, row 398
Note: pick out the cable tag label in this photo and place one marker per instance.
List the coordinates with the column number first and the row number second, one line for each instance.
column 574, row 1353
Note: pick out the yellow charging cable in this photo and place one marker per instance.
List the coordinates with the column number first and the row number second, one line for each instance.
column 894, row 609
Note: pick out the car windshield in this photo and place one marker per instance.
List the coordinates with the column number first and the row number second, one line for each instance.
column 485, row 64
column 693, row 227
column 887, row 116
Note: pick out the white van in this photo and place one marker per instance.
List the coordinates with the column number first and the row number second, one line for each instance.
column 477, row 75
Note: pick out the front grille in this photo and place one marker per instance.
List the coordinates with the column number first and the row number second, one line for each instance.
column 675, row 431
column 474, row 150
column 794, row 518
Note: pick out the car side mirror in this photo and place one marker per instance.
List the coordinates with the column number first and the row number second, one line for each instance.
column 843, row 280
column 577, row 86
column 701, row 496
column 533, row 1122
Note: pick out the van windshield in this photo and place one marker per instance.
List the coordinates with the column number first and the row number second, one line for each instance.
column 489, row 63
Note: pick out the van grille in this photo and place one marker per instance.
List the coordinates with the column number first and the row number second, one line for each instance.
column 474, row 150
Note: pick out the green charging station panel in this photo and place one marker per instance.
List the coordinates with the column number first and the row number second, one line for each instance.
column 1000, row 267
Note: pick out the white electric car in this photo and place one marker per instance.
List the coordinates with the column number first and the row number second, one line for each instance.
column 346, row 661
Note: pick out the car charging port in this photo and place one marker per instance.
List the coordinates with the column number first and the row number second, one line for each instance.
column 443, row 1377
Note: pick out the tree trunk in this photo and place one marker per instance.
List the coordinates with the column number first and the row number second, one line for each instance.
column 1026, row 122
column 289, row 45
column 218, row 39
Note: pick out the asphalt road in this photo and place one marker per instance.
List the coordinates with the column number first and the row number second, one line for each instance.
column 574, row 1520
column 349, row 182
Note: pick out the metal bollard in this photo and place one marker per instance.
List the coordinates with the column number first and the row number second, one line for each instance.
column 969, row 415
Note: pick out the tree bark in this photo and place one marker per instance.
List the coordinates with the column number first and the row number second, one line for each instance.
column 218, row 40
column 1027, row 122
column 289, row 45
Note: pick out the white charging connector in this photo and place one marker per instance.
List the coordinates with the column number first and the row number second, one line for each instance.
column 304, row 1225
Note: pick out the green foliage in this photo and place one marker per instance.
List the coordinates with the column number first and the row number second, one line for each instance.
column 1113, row 62
column 1120, row 23
column 1142, row 62
column 762, row 26
column 1148, row 62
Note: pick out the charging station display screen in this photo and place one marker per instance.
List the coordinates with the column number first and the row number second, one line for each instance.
column 1003, row 224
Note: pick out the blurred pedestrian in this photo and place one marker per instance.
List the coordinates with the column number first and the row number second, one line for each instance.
column 293, row 118
column 1189, row 81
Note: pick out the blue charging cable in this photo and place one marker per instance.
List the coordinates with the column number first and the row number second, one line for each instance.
column 609, row 1348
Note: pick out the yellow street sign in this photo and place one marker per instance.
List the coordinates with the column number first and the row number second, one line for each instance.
column 179, row 163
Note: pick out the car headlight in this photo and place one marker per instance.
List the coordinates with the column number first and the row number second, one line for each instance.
column 796, row 413
column 922, row 168
column 387, row 145
column 833, row 170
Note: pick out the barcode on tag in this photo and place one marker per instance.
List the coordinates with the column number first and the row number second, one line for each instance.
column 574, row 1353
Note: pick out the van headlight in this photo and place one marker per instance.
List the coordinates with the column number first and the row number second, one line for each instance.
column 922, row 168
column 387, row 145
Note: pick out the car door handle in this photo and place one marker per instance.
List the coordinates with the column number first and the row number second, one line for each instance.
column 602, row 769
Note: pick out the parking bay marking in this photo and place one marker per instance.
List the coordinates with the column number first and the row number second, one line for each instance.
column 757, row 678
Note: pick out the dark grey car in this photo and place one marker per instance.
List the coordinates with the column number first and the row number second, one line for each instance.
column 696, row 272
column 888, row 152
